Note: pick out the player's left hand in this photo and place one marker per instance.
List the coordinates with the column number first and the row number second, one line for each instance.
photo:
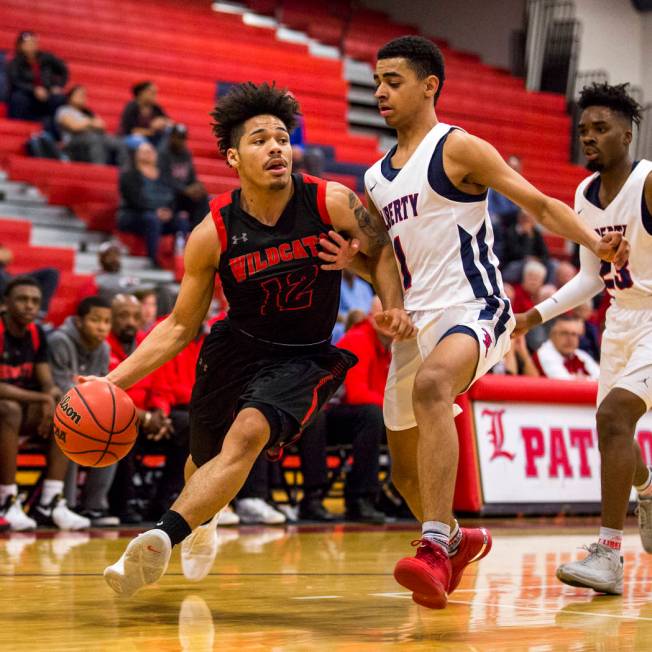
column 395, row 323
column 613, row 248
column 338, row 252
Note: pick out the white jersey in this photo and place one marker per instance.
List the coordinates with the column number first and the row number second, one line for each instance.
column 628, row 214
column 442, row 236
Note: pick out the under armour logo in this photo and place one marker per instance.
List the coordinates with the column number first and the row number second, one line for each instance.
column 242, row 238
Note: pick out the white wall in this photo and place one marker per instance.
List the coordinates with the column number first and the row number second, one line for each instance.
column 480, row 26
column 646, row 56
column 612, row 39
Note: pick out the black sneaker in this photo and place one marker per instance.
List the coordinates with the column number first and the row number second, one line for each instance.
column 313, row 510
column 57, row 514
column 362, row 510
column 101, row 518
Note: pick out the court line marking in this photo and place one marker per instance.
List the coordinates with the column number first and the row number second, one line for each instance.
column 550, row 611
column 317, row 597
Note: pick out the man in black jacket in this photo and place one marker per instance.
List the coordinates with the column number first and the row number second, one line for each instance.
column 36, row 80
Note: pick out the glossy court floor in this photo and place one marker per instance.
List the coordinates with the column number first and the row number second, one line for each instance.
column 316, row 589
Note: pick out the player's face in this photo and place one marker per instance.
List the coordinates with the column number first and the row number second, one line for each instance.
column 263, row 156
column 400, row 93
column 605, row 137
column 23, row 304
column 95, row 326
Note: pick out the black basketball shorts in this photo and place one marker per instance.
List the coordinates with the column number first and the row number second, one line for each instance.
column 235, row 371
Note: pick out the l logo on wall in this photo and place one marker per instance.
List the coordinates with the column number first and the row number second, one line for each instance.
column 533, row 452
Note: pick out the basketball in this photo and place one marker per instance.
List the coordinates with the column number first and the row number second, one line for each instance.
column 95, row 424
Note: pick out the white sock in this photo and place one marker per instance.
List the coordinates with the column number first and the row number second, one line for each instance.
column 437, row 532
column 455, row 539
column 645, row 489
column 51, row 488
column 7, row 490
column 611, row 538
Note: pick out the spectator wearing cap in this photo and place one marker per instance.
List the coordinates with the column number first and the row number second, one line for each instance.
column 36, row 80
column 110, row 280
column 147, row 201
column 142, row 118
column 83, row 133
column 176, row 164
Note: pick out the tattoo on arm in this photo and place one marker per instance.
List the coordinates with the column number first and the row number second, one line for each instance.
column 368, row 223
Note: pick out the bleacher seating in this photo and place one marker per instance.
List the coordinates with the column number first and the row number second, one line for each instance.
column 187, row 49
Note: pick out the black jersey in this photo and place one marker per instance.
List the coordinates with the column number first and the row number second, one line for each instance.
column 271, row 275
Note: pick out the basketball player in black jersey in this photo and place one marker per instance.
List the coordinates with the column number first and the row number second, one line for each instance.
column 266, row 370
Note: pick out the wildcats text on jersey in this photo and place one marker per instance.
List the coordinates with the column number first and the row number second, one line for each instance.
column 249, row 264
column 400, row 209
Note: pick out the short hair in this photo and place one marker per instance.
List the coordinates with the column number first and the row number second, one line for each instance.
column 21, row 280
column 87, row 304
column 138, row 88
column 565, row 317
column 245, row 101
column 422, row 55
column 534, row 266
column 614, row 97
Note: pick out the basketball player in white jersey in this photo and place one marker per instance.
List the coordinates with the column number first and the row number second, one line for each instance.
column 430, row 191
column 616, row 198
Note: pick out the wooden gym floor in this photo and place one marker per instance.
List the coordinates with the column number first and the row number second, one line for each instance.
column 317, row 589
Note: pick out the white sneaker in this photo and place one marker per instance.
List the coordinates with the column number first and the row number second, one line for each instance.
column 13, row 512
column 65, row 519
column 143, row 562
column 228, row 517
column 644, row 513
column 256, row 510
column 601, row 570
column 198, row 551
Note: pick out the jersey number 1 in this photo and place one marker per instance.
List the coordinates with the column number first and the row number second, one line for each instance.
column 290, row 292
column 402, row 263
column 620, row 279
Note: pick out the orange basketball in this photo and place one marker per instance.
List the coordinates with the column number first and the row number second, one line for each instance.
column 95, row 424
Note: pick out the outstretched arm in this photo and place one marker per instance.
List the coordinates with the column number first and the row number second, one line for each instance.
column 471, row 160
column 182, row 325
column 348, row 214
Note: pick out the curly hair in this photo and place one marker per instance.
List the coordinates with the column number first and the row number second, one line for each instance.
column 245, row 101
column 422, row 55
column 615, row 97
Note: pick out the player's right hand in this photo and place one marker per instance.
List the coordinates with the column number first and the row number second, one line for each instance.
column 395, row 323
column 526, row 321
column 614, row 248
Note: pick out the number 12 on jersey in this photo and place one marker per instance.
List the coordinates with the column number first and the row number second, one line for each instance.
column 402, row 263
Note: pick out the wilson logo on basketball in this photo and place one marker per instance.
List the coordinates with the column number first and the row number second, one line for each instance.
column 68, row 411
column 59, row 433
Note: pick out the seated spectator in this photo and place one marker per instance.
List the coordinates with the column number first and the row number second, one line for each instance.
column 28, row 397
column 149, row 397
column 79, row 347
column 148, row 308
column 590, row 340
column 142, row 118
column 47, row 278
column 110, row 280
column 504, row 211
column 175, row 162
column 526, row 293
column 358, row 420
column 518, row 361
column 147, row 202
column 523, row 241
column 560, row 356
column 305, row 158
column 36, row 80
column 83, row 134
column 564, row 272
column 355, row 295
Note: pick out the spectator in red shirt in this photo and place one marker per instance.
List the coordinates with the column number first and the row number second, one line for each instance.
column 357, row 420
column 526, row 293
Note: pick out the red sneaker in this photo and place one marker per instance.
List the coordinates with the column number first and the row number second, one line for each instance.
column 475, row 544
column 427, row 574
column 4, row 524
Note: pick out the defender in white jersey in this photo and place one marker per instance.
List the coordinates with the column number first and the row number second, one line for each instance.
column 430, row 191
column 616, row 198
